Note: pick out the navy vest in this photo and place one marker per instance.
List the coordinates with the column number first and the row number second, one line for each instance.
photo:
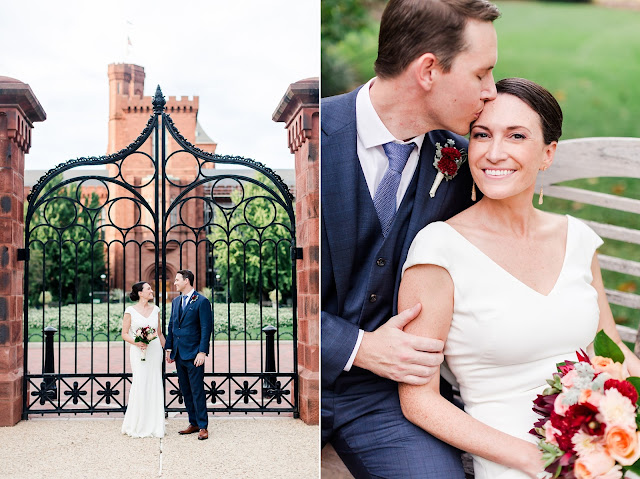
column 372, row 284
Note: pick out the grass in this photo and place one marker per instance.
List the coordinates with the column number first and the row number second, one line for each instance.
column 588, row 56
column 105, row 319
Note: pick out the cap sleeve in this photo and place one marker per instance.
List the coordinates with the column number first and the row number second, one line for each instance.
column 589, row 239
column 430, row 246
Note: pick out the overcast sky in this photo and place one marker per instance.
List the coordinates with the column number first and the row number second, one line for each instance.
column 238, row 56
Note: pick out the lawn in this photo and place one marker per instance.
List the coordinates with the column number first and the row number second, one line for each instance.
column 588, row 56
column 231, row 319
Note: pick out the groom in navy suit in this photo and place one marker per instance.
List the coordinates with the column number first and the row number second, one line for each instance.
column 187, row 344
column 433, row 75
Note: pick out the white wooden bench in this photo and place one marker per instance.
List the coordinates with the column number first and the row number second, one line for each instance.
column 598, row 158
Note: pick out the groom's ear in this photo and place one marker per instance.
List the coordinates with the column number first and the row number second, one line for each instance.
column 425, row 69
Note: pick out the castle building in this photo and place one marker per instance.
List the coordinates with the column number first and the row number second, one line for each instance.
column 128, row 227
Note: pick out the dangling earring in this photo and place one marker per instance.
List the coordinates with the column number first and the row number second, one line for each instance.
column 473, row 190
column 541, row 197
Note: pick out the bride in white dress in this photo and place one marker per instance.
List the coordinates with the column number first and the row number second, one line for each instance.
column 510, row 289
column 145, row 410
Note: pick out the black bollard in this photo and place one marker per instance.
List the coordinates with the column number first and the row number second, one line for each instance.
column 49, row 381
column 269, row 382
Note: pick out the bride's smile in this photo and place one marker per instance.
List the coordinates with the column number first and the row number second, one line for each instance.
column 507, row 149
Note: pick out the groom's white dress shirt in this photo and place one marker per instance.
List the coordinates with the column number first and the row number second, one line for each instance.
column 372, row 134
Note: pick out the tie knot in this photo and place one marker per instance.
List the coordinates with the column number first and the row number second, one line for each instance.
column 398, row 154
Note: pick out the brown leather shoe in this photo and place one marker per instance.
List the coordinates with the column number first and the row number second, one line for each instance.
column 190, row 430
column 203, row 434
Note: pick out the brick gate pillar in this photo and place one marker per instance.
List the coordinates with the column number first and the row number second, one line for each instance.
column 299, row 110
column 19, row 108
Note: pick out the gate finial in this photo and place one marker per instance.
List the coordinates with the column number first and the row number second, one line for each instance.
column 158, row 101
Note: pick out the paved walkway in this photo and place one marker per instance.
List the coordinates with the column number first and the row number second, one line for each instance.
column 90, row 448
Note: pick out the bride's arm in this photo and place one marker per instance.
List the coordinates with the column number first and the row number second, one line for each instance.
column 159, row 330
column 422, row 405
column 126, row 325
column 608, row 323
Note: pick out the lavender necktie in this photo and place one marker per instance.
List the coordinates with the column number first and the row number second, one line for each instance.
column 385, row 198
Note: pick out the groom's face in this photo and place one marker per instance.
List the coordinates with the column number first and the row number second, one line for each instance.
column 460, row 93
column 181, row 283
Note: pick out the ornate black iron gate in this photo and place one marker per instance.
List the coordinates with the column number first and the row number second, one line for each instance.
column 160, row 206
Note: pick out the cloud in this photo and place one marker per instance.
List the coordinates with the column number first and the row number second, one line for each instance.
column 239, row 57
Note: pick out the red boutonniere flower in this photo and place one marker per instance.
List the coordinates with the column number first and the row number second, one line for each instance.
column 194, row 298
column 447, row 161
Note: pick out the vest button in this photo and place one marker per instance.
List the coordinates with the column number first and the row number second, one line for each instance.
column 373, row 298
column 381, row 262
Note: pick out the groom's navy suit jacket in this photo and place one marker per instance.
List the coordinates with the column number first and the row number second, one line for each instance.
column 361, row 269
column 189, row 328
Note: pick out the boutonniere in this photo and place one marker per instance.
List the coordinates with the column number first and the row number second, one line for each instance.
column 447, row 161
column 194, row 298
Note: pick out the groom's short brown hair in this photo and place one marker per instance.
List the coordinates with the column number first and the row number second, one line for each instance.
column 186, row 274
column 410, row 28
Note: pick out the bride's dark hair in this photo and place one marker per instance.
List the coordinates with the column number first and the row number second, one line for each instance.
column 539, row 100
column 136, row 289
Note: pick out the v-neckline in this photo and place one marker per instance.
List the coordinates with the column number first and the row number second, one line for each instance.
column 491, row 260
column 142, row 315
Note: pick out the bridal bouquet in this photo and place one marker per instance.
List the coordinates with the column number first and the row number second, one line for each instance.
column 145, row 335
column 590, row 416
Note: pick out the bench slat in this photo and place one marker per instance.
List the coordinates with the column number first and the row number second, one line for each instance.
column 594, row 198
column 615, row 232
column 619, row 265
column 623, row 299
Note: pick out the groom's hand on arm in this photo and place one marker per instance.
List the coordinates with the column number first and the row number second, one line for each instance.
column 405, row 358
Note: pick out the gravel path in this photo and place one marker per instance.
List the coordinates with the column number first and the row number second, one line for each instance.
column 88, row 448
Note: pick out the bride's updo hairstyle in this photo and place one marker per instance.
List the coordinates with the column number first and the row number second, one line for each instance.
column 136, row 289
column 540, row 101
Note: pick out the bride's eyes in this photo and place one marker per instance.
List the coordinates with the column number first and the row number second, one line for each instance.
column 519, row 136
column 479, row 134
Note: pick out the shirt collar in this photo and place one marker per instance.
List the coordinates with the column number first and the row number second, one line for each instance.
column 369, row 126
column 188, row 295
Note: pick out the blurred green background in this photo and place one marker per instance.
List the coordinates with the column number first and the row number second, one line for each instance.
column 587, row 55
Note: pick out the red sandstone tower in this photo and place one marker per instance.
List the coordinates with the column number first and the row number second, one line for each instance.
column 129, row 112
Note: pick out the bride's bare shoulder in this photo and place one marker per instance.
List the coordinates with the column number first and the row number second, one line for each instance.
column 464, row 220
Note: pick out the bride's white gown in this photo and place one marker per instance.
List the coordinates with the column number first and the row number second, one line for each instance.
column 505, row 337
column 145, row 409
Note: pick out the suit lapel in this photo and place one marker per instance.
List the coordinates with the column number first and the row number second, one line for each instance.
column 184, row 310
column 339, row 193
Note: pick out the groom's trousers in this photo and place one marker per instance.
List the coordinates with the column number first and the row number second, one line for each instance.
column 373, row 438
column 191, row 381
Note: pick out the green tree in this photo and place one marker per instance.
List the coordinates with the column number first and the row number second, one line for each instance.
column 340, row 19
column 252, row 246
column 65, row 247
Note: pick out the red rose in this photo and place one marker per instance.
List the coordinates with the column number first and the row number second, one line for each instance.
column 624, row 387
column 583, row 416
column 449, row 152
column 564, row 426
column 447, row 165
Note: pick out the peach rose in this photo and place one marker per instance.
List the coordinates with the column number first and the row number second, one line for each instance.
column 606, row 365
column 590, row 396
column 593, row 465
column 622, row 445
column 551, row 432
column 614, row 473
